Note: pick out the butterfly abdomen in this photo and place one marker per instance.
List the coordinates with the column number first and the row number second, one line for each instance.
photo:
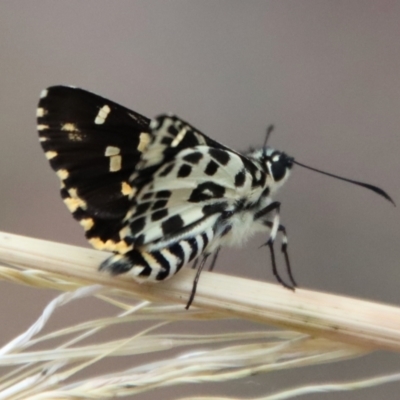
column 159, row 264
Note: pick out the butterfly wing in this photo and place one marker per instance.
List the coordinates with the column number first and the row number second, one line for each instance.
column 137, row 188
column 185, row 189
column 94, row 145
column 182, row 180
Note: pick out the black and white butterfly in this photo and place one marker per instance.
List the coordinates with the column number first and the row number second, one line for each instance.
column 158, row 194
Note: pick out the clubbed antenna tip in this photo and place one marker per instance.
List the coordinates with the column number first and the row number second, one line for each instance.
column 375, row 189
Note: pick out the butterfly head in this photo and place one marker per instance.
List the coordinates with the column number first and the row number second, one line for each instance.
column 276, row 164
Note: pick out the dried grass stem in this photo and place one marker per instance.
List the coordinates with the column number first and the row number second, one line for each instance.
column 342, row 319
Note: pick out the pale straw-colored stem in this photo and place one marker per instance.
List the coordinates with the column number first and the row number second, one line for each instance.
column 343, row 319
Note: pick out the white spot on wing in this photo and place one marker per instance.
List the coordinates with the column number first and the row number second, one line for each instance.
column 125, row 232
column 129, row 214
column 62, row 174
column 74, row 204
column 73, row 192
column 153, row 124
column 144, row 141
column 43, row 93
column 87, row 223
column 42, row 127
column 69, row 127
column 51, row 154
column 179, row 137
column 40, row 112
column 112, row 151
column 75, row 136
column 115, row 163
column 133, row 192
column 102, row 115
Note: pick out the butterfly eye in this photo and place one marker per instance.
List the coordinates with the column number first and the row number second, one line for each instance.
column 278, row 169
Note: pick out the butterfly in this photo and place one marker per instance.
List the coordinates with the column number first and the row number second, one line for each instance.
column 159, row 194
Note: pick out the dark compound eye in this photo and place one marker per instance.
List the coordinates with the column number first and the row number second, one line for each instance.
column 280, row 164
column 278, row 170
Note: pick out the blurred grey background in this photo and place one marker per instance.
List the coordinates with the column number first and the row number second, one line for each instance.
column 326, row 73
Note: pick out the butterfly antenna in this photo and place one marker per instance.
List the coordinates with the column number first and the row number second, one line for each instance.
column 363, row 184
column 269, row 130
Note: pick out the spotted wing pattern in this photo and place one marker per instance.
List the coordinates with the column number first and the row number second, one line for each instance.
column 154, row 194
column 93, row 145
column 185, row 190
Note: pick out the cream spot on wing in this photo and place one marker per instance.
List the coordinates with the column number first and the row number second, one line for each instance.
column 133, row 193
column 62, row 174
column 153, row 124
column 75, row 136
column 74, row 204
column 179, row 137
column 73, row 192
column 122, row 247
column 110, row 245
column 42, row 127
column 69, row 127
column 50, row 154
column 112, row 151
column 102, row 115
column 126, row 189
column 43, row 139
column 40, row 112
column 144, row 141
column 115, row 163
column 129, row 214
column 124, row 232
column 43, row 93
column 87, row 223
column 97, row 243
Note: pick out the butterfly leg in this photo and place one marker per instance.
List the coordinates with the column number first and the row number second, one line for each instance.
column 274, row 228
column 214, row 259
column 195, row 262
column 196, row 280
column 284, row 246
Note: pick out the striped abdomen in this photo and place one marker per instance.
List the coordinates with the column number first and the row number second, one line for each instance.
column 160, row 264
